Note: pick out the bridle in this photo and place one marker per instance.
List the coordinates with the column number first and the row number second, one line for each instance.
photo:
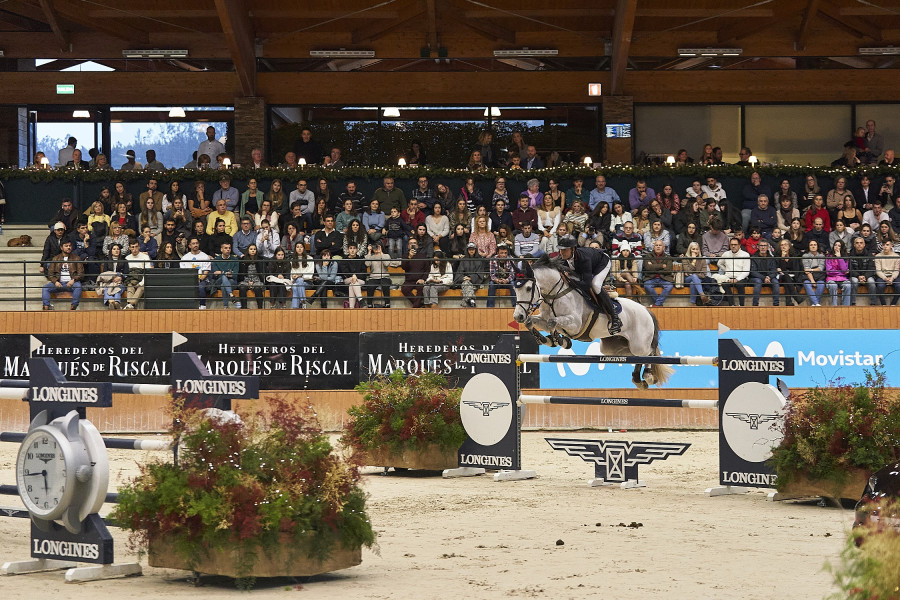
column 559, row 289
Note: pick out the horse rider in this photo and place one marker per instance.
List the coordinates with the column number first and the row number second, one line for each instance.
column 592, row 266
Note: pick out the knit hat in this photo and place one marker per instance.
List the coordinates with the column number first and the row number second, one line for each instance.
column 624, row 245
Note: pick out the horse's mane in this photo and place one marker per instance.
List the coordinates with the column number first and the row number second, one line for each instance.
column 557, row 264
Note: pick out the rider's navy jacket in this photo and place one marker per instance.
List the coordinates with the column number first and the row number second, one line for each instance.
column 589, row 262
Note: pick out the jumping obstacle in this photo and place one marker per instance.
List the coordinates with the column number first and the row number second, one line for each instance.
column 749, row 408
column 79, row 534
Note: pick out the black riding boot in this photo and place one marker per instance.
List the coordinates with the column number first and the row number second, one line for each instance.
column 605, row 303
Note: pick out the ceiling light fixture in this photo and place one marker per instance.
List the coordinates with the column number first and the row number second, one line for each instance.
column 81, row 114
column 525, row 52
column 342, row 53
column 885, row 51
column 155, row 53
column 710, row 51
column 176, row 113
column 495, row 111
column 391, row 112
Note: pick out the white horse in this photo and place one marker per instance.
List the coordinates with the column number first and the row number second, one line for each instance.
column 546, row 300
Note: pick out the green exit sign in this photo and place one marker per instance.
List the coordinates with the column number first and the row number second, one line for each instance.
column 65, row 88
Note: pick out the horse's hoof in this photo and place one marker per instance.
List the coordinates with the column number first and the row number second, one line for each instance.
column 567, row 343
column 642, row 385
column 649, row 378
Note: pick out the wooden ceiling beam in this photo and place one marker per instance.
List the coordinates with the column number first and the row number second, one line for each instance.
column 76, row 11
column 856, row 25
column 238, row 29
column 812, row 7
column 431, row 25
column 409, row 11
column 23, row 23
column 485, row 28
column 53, row 21
column 742, row 29
column 623, row 27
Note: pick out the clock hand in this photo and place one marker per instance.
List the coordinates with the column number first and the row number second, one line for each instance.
column 46, row 487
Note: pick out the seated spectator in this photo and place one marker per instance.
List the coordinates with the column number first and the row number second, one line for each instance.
column 642, row 220
column 549, row 219
column 64, row 271
column 658, row 234
column 199, row 261
column 532, row 159
column 148, row 243
column 437, row 224
column 625, row 269
column 889, row 160
column 199, row 204
column 424, row 195
column 750, row 196
column 576, row 192
column 470, row 275
column 472, row 195
column 814, row 269
column 302, row 195
column 224, row 275
column 379, row 276
column 213, row 243
column 302, row 271
column 797, row 237
column 374, row 222
column 354, row 236
column 343, row 219
column 862, row 270
column 876, row 215
column 628, row 234
column 502, row 276
column 278, row 279
column 389, row 196
column 682, row 159
column 837, row 274
column 454, row 245
column 786, row 212
column 267, row 241
column 764, row 216
column 525, row 213
column 439, row 279
column 52, row 245
column 658, row 272
column 764, row 272
column 167, row 258
column 476, row 162
column 734, row 269
column 500, row 216
column 352, row 272
column 484, row 240
column 894, row 215
column 640, row 195
column 887, row 271
column 412, row 216
column 840, row 233
column 116, row 236
column 599, row 221
column 152, row 163
column 243, row 238
column 848, row 159
column 818, row 234
column 415, row 267
column 690, row 236
column 751, row 243
column 602, row 193
column 426, row 245
column 886, row 236
column 277, row 198
column 251, row 276
column 713, row 189
column 790, row 272
column 328, row 238
column 225, row 215
column 696, row 191
column 461, row 215
column 291, row 237
column 668, row 202
column 695, row 269
column 110, row 282
column 834, row 200
column 325, row 277
column 527, row 242
column 574, row 221
column 290, row 161
column 227, row 193
column 618, row 217
column 659, row 213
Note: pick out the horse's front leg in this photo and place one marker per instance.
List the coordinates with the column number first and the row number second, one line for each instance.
column 565, row 322
column 534, row 323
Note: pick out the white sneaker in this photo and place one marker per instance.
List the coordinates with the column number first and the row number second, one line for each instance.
column 129, row 307
column 237, row 304
column 202, row 307
column 271, row 279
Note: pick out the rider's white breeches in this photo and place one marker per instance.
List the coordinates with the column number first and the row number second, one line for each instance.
column 600, row 278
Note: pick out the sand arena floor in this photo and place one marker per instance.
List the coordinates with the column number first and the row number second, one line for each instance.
column 475, row 538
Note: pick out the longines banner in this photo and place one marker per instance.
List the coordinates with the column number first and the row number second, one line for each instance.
column 283, row 361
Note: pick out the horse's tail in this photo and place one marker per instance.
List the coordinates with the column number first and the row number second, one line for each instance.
column 660, row 373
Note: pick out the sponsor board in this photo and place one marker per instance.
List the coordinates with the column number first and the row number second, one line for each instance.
column 820, row 356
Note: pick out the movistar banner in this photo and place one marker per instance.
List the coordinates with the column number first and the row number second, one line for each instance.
column 820, row 357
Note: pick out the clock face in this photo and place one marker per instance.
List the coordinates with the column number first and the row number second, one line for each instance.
column 44, row 475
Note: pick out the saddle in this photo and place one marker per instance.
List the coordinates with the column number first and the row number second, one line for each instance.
column 584, row 289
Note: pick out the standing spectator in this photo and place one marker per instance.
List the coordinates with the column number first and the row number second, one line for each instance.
column 210, row 146
column 65, row 154
column 130, row 163
column 874, row 140
column 397, row 232
column 734, row 269
column 416, row 155
column 489, row 152
column 764, row 272
column 658, row 272
column 200, row 262
column 502, row 276
column 814, row 268
column 65, row 271
column 307, row 148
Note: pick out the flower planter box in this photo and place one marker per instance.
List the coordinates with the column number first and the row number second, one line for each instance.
column 285, row 560
column 803, row 487
column 432, row 458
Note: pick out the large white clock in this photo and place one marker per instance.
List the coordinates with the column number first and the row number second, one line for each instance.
column 55, row 470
